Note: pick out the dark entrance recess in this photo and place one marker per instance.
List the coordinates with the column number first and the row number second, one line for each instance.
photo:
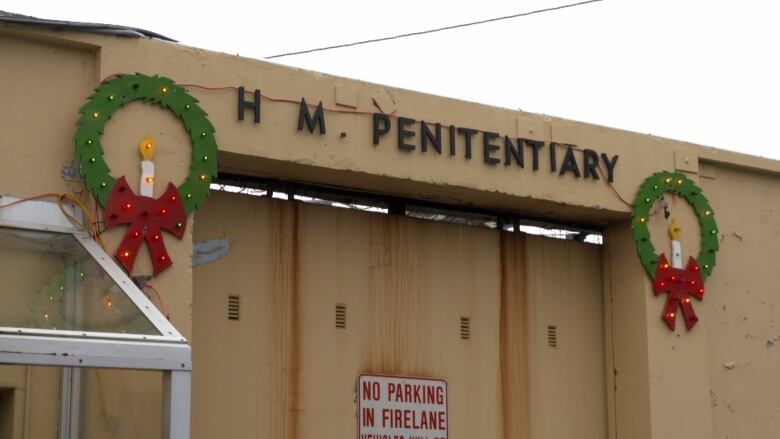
column 6, row 413
column 421, row 209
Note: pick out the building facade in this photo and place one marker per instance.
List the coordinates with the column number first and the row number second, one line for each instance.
column 356, row 229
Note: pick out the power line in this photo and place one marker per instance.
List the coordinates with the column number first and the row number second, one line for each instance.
column 430, row 31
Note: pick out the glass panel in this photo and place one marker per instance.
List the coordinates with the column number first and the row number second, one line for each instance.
column 120, row 404
column 104, row 403
column 51, row 282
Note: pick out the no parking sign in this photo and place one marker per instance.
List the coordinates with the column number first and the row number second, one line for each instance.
column 398, row 407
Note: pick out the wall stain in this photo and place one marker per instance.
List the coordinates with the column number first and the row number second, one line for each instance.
column 287, row 321
column 395, row 299
column 513, row 343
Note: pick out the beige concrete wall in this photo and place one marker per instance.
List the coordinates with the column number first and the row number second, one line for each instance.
column 743, row 306
column 711, row 381
column 286, row 371
column 626, row 324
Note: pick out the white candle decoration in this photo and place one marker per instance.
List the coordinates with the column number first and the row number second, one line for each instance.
column 674, row 233
column 146, row 186
column 676, row 254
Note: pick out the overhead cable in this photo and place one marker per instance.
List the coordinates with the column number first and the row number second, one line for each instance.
column 430, row 31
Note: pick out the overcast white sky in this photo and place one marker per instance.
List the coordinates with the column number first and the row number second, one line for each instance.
column 700, row 71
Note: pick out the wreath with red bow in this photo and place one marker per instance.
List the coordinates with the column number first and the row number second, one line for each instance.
column 679, row 284
column 146, row 217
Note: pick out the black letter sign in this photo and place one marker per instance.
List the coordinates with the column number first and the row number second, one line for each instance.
column 488, row 148
column 242, row 103
column 403, row 133
column 383, row 129
column 311, row 123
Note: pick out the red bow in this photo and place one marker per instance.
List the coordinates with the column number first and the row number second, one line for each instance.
column 680, row 284
column 147, row 217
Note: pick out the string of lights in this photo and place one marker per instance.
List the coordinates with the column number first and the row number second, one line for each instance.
column 91, row 226
column 430, row 31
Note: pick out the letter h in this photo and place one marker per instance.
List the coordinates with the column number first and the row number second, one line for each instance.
column 242, row 104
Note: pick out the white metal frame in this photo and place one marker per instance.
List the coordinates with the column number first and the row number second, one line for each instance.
column 167, row 352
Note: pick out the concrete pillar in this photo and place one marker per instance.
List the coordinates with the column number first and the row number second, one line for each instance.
column 660, row 381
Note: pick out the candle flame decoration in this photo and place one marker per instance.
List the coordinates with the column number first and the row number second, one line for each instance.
column 674, row 230
column 146, row 148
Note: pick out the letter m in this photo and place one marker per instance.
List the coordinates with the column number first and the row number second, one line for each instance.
column 304, row 117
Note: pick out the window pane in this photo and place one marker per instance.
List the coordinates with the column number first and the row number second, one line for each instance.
column 29, row 402
column 51, row 282
column 105, row 403
column 121, row 404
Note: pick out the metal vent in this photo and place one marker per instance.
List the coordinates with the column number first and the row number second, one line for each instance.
column 552, row 336
column 233, row 307
column 341, row 316
column 465, row 328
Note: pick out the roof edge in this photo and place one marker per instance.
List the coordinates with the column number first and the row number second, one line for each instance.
column 98, row 28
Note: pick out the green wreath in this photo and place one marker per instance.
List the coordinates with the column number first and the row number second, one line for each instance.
column 123, row 89
column 651, row 190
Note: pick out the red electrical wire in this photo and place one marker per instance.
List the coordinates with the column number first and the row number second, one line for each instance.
column 204, row 87
column 612, row 187
column 159, row 300
column 336, row 110
column 272, row 99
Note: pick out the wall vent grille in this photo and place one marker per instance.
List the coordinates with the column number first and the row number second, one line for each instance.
column 465, row 328
column 341, row 316
column 234, row 306
column 552, row 336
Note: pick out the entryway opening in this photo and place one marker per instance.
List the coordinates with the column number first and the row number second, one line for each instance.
column 420, row 289
column 6, row 413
